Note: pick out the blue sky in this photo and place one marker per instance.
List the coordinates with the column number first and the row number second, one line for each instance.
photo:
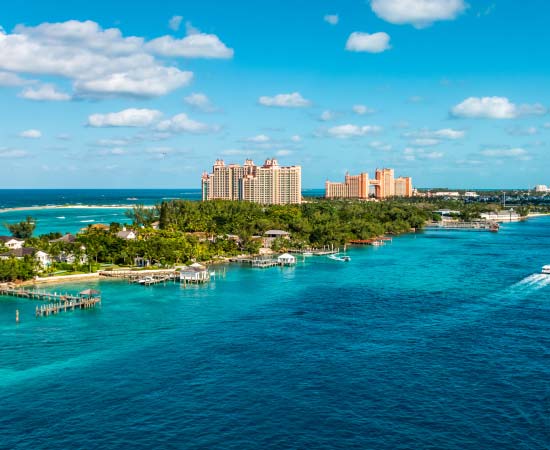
column 114, row 94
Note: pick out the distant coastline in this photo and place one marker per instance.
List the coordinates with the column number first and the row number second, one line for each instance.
column 46, row 207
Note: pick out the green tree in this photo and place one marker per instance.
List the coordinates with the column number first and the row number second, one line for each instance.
column 23, row 229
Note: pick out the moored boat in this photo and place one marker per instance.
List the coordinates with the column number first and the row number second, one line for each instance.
column 546, row 269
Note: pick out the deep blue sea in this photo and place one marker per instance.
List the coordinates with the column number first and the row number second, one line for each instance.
column 439, row 340
column 71, row 220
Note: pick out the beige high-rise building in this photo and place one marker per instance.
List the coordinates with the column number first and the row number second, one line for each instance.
column 403, row 187
column 267, row 184
column 357, row 186
column 354, row 186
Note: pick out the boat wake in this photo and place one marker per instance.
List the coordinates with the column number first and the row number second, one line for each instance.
column 536, row 281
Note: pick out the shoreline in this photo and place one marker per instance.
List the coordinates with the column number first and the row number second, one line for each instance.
column 46, row 207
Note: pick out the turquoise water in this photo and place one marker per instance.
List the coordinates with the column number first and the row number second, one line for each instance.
column 73, row 219
column 439, row 340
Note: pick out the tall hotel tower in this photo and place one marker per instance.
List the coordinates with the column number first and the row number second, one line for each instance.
column 358, row 186
column 270, row 184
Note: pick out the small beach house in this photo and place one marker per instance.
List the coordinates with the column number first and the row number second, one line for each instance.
column 195, row 273
column 286, row 259
column 11, row 242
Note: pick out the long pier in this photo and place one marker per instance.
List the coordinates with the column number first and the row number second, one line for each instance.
column 135, row 275
column 58, row 301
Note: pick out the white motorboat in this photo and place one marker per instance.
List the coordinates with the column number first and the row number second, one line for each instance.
column 307, row 254
column 342, row 258
column 546, row 269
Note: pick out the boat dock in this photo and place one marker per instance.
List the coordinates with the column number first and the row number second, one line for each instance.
column 136, row 275
column 465, row 226
column 372, row 241
column 59, row 301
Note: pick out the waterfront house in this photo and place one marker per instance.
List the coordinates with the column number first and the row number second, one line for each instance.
column 286, row 259
column 271, row 235
column 127, row 235
column 11, row 242
column 43, row 259
column 195, row 273
column 66, row 238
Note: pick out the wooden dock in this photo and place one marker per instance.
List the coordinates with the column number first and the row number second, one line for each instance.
column 59, row 301
column 136, row 275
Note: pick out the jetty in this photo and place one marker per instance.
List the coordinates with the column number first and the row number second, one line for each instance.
column 465, row 226
column 136, row 275
column 58, row 301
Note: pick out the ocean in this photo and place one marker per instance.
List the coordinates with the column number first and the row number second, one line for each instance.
column 438, row 340
column 70, row 220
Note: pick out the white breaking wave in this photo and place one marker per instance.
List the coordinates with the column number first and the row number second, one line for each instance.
column 60, row 217
column 86, row 221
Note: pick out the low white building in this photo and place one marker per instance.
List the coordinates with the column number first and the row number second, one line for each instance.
column 541, row 188
column 11, row 242
column 44, row 260
column 195, row 273
column 286, row 259
column 501, row 216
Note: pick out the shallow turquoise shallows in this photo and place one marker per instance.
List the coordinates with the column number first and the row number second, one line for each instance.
column 438, row 340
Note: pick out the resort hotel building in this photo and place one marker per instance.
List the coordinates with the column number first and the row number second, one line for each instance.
column 384, row 184
column 270, row 184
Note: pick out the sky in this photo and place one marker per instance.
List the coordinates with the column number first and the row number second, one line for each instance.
column 149, row 94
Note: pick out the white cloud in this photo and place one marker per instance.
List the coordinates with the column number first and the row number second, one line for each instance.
column 377, row 145
column 412, row 154
column 522, row 131
column 98, row 62
column 333, row 19
column 200, row 45
column 444, row 133
column 31, row 134
column 516, row 152
column 200, row 101
column 8, row 79
column 260, row 138
column 232, row 152
column 420, row 13
column 362, row 110
column 365, row 42
column 283, row 152
column 131, row 117
column 113, row 142
column 12, row 153
column 494, row 108
column 327, row 115
column 294, row 100
column 425, row 142
column 175, row 22
column 349, row 130
column 181, row 123
column 296, row 138
column 45, row 92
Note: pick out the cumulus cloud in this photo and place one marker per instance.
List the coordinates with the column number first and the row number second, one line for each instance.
column 419, row 13
column 31, row 134
column 378, row 145
column 175, row 22
column 494, row 108
column 516, row 153
column 200, row 102
column 327, row 115
column 102, row 62
column 8, row 79
column 362, row 110
column 333, row 19
column 412, row 154
column 294, row 100
column 443, row 133
column 181, row 123
column 370, row 43
column 283, row 152
column 200, row 45
column 349, row 130
column 260, row 138
column 296, row 138
column 45, row 92
column 131, row 117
